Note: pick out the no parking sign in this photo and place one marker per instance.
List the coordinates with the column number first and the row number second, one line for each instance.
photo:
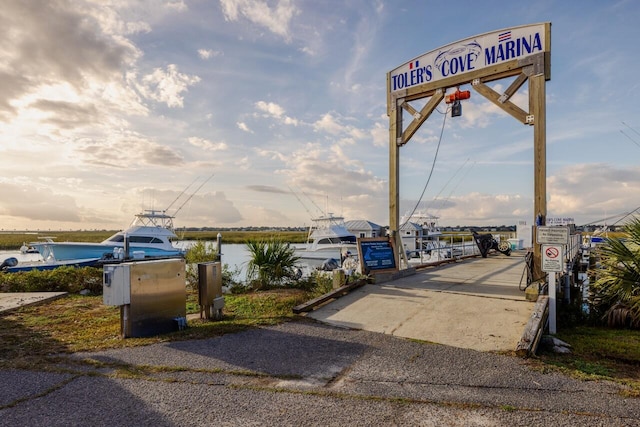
column 552, row 258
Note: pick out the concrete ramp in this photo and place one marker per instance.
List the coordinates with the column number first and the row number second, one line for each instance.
column 13, row 300
column 473, row 304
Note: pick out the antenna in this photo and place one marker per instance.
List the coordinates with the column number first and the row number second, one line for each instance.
column 303, row 205
column 192, row 194
column 314, row 203
column 180, row 195
column 630, row 128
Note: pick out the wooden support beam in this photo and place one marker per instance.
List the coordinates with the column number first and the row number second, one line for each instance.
column 530, row 339
column 537, row 104
column 507, row 106
column 499, row 71
column 405, row 105
column 422, row 116
column 395, row 131
column 513, row 88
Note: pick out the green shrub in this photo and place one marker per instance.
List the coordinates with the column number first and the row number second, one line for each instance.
column 273, row 263
column 61, row 279
column 616, row 292
column 202, row 251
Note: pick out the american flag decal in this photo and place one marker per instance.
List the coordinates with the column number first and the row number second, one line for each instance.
column 504, row 36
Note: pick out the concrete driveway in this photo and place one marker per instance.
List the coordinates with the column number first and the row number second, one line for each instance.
column 474, row 304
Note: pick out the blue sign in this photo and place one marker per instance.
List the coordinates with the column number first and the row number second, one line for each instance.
column 376, row 254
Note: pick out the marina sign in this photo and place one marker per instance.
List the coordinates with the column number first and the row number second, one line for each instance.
column 471, row 54
column 376, row 254
column 552, row 235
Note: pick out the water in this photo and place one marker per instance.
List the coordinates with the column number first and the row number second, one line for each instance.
column 234, row 255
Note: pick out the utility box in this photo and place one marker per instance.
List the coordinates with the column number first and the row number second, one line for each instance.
column 116, row 285
column 151, row 294
column 210, row 290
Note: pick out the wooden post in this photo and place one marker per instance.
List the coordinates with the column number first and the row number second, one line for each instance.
column 537, row 105
column 395, row 128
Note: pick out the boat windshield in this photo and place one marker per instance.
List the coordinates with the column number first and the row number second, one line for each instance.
column 136, row 239
column 337, row 240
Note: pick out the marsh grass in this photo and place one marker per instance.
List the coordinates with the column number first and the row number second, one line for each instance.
column 13, row 241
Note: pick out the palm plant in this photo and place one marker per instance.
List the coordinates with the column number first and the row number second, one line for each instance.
column 617, row 289
column 272, row 262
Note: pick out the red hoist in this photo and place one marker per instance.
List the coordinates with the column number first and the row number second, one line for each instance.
column 455, row 98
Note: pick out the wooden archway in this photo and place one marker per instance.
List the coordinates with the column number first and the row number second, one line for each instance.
column 522, row 52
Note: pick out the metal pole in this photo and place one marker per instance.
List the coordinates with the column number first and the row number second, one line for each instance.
column 567, row 285
column 219, row 247
column 552, row 303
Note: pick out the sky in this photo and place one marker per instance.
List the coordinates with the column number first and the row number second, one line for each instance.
column 236, row 113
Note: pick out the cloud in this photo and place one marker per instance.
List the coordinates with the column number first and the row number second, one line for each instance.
column 167, row 85
column 137, row 27
column 266, row 189
column 68, row 115
column 127, row 150
column 208, row 53
column 206, row 144
column 332, row 125
column 481, row 209
column 276, row 19
column 380, row 134
column 243, row 126
column 274, row 110
column 59, row 44
column 177, row 5
column 605, row 187
column 37, row 204
column 335, row 182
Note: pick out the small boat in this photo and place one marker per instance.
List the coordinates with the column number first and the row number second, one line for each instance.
column 27, row 249
column 328, row 238
column 12, row 265
column 149, row 235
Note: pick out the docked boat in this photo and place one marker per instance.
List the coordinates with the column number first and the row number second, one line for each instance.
column 12, row 265
column 421, row 235
column 149, row 235
column 328, row 238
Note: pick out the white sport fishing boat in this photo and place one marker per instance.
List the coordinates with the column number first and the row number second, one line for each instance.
column 149, row 235
column 328, row 238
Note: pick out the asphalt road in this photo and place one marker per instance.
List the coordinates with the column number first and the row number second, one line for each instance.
column 305, row 373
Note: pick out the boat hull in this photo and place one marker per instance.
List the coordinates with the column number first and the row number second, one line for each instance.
column 42, row 265
column 64, row 251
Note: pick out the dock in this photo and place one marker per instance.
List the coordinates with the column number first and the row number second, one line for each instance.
column 474, row 303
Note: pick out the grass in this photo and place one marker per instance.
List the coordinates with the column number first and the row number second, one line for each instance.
column 599, row 353
column 30, row 335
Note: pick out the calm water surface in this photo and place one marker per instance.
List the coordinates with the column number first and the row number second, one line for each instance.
column 235, row 255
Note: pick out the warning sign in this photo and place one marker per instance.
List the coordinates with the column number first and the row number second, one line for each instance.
column 552, row 258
